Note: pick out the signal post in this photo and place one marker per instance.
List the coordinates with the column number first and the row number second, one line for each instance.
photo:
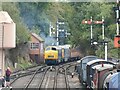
column 103, row 33
column 117, row 37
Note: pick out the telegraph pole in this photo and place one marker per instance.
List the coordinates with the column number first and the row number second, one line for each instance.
column 60, row 33
column 91, row 30
column 117, row 16
column 103, row 30
column 57, row 33
column 105, row 43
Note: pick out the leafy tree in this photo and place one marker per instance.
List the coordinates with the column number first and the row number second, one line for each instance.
column 37, row 17
column 21, row 29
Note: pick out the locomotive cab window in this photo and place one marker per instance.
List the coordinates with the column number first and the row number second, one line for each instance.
column 47, row 48
column 53, row 48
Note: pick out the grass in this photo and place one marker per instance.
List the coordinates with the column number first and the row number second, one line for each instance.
column 22, row 64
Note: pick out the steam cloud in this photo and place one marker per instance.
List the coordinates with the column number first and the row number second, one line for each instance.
column 48, row 40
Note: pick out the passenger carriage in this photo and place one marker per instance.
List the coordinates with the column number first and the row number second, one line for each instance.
column 82, row 67
column 99, row 72
column 89, row 68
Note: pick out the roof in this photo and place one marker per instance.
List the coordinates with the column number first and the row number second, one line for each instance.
column 104, row 67
column 86, row 57
column 94, row 61
column 37, row 37
column 5, row 18
column 78, row 61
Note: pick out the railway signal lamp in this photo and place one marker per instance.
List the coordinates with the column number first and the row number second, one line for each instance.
column 117, row 41
column 86, row 22
column 98, row 22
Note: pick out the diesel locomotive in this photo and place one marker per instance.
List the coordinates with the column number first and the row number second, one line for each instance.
column 59, row 54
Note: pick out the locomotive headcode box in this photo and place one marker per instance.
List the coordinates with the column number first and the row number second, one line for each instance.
column 117, row 41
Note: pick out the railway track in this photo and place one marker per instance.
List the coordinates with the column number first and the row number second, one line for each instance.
column 23, row 73
column 60, row 73
column 28, row 77
column 45, row 78
column 48, row 79
column 42, row 80
column 64, row 70
column 36, row 78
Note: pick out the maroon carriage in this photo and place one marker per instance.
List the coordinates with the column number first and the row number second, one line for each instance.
column 99, row 73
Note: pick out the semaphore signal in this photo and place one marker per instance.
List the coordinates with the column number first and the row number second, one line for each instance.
column 86, row 22
column 117, row 37
column 91, row 22
column 98, row 22
column 94, row 22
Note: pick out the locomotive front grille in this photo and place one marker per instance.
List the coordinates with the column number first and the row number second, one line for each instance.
column 50, row 56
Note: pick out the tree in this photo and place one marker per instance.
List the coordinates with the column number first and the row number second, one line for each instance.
column 21, row 29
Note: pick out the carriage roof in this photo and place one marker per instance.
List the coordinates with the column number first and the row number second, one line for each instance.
column 101, row 67
column 97, row 60
column 87, row 57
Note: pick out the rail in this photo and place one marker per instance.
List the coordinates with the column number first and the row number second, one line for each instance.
column 32, row 77
column 65, row 75
column 43, row 76
column 19, row 75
